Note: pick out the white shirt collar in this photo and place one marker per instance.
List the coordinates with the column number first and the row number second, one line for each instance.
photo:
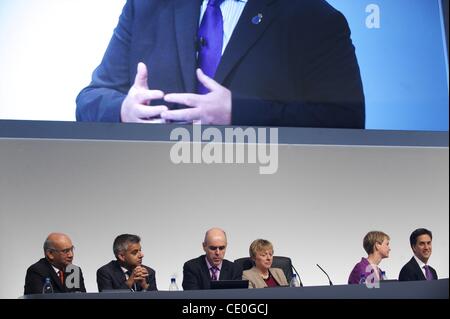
column 420, row 262
column 56, row 269
column 210, row 265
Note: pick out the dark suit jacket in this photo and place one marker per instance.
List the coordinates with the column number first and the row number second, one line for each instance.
column 196, row 274
column 111, row 276
column 411, row 271
column 296, row 68
column 35, row 279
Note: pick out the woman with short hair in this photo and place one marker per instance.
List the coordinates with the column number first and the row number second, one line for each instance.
column 376, row 244
column 262, row 274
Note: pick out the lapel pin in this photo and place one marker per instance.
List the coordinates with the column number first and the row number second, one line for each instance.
column 257, row 19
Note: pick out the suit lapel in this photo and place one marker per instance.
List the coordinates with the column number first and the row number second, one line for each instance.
column 187, row 14
column 57, row 280
column 434, row 273
column 277, row 276
column 245, row 35
column 205, row 271
column 256, row 278
column 55, row 277
column 223, row 271
column 418, row 269
column 119, row 275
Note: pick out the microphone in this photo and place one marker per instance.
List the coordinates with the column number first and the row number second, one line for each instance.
column 301, row 284
column 329, row 280
column 200, row 43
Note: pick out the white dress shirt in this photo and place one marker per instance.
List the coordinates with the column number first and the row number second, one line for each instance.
column 231, row 12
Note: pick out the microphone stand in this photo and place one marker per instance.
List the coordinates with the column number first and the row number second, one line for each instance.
column 301, row 284
column 329, row 280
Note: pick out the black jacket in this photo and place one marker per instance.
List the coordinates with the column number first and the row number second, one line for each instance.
column 36, row 274
column 196, row 274
column 111, row 276
column 411, row 271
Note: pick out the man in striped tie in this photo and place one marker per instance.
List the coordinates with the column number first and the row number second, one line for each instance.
column 199, row 272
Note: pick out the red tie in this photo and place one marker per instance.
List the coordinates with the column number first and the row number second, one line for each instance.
column 61, row 277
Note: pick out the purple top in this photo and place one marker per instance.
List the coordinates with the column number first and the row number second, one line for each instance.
column 363, row 267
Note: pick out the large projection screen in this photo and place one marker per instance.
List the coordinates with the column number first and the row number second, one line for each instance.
column 400, row 46
column 315, row 209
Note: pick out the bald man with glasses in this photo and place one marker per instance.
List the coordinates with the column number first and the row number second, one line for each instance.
column 199, row 272
column 57, row 266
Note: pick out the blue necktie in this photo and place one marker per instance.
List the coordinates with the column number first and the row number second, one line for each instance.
column 210, row 36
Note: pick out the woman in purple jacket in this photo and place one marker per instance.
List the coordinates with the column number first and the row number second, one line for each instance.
column 376, row 244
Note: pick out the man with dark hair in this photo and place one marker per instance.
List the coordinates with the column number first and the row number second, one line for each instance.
column 417, row 268
column 56, row 266
column 199, row 272
column 127, row 271
column 222, row 62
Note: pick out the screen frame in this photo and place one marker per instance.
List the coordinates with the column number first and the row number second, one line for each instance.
column 18, row 129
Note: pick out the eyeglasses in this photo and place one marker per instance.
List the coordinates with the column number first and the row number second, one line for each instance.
column 214, row 248
column 64, row 251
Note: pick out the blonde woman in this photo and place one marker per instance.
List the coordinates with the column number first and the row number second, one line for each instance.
column 376, row 244
column 262, row 274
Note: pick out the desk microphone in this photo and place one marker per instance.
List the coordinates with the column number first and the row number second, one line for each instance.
column 329, row 280
column 200, row 43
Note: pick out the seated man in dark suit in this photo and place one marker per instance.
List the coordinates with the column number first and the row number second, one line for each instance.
column 127, row 271
column 198, row 272
column 56, row 265
column 417, row 268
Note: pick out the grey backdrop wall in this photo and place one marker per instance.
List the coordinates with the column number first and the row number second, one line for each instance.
column 316, row 209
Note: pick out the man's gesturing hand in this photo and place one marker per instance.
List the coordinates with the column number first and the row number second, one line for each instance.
column 211, row 108
column 135, row 107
